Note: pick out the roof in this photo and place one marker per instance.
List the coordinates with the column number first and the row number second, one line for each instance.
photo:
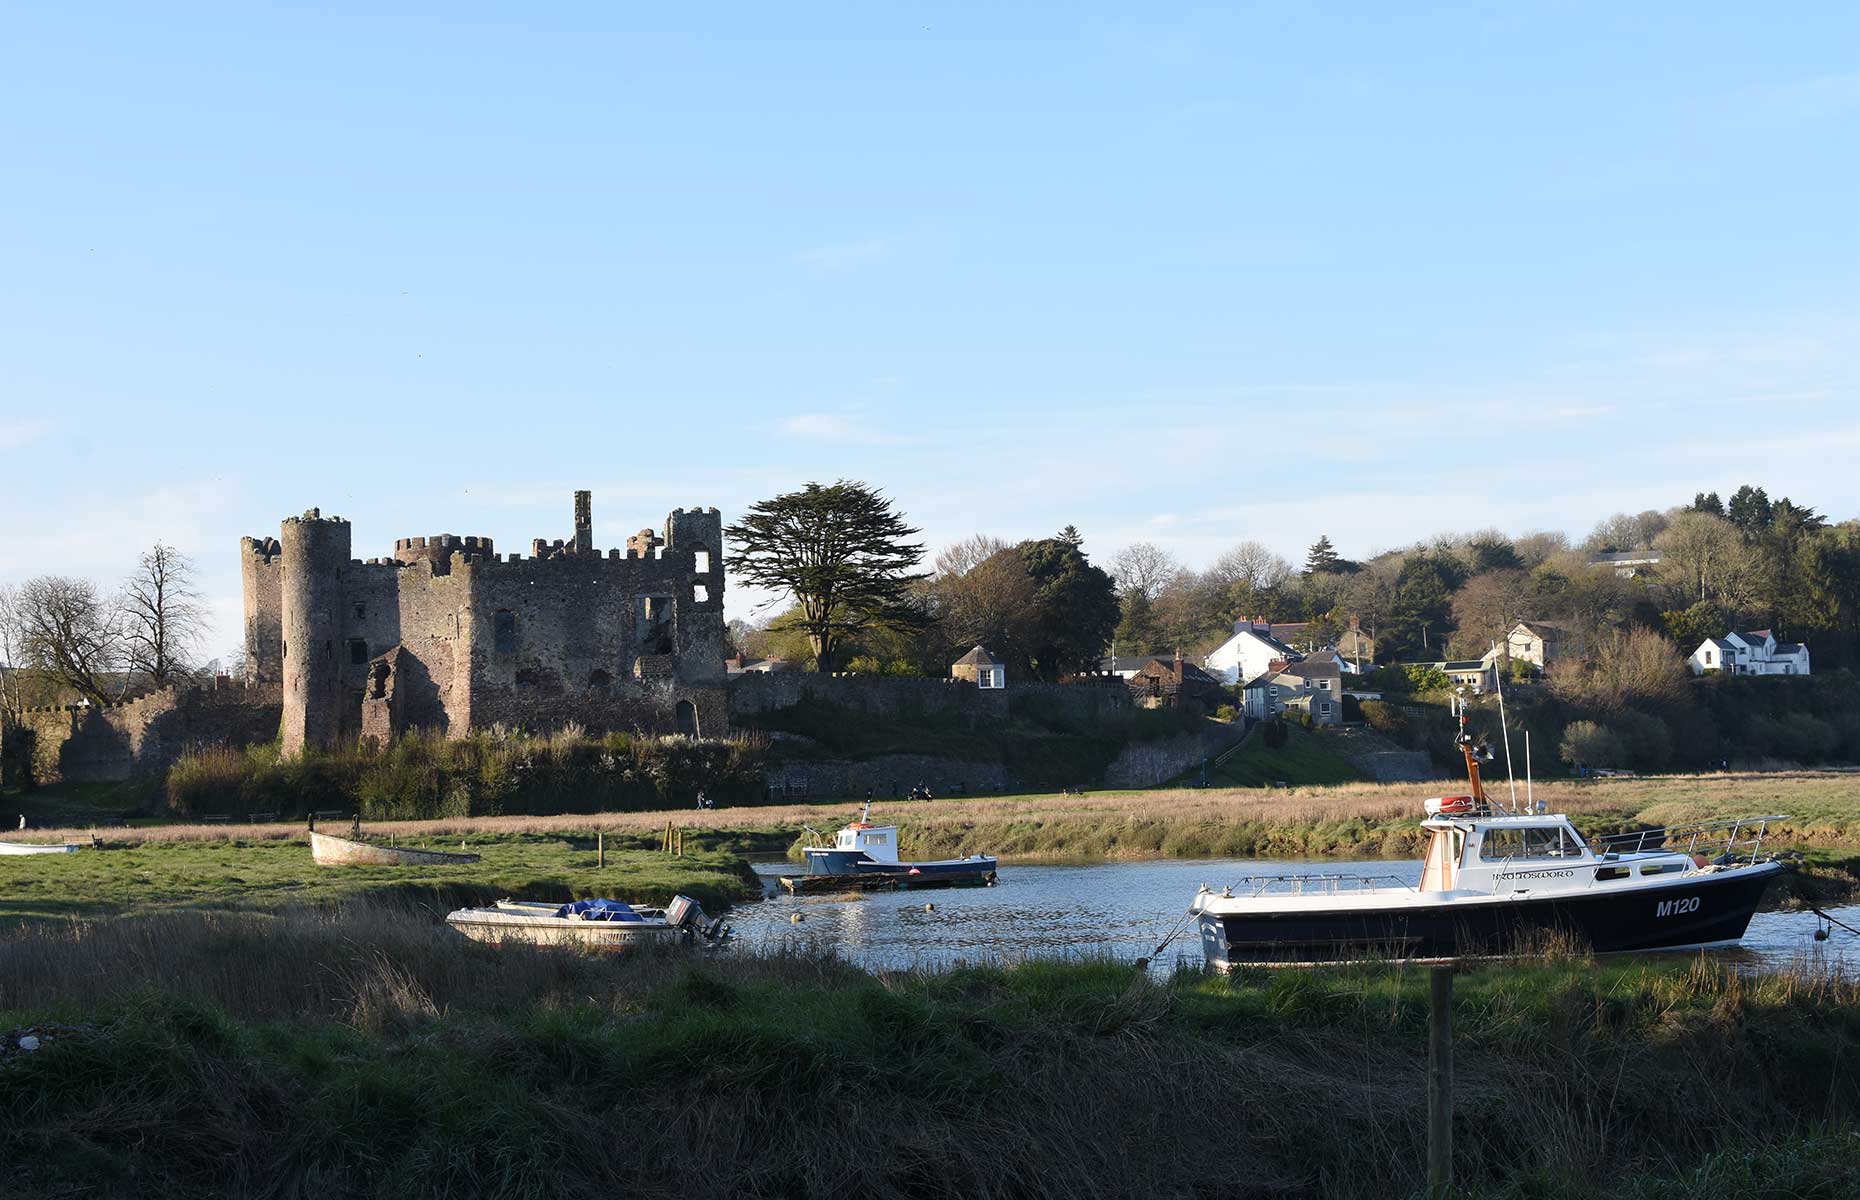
column 1133, row 662
column 1543, row 626
column 1720, row 643
column 1309, row 667
column 1267, row 638
column 1627, row 556
column 1468, row 664
column 977, row 657
column 1755, row 635
column 1789, row 647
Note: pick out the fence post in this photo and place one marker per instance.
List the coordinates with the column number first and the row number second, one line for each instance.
column 600, row 848
column 1440, row 1082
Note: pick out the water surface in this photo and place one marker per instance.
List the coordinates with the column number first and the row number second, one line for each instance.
column 1121, row 909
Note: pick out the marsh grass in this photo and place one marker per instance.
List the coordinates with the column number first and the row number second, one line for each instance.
column 361, row 1049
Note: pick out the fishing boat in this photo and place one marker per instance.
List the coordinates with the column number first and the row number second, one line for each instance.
column 329, row 850
column 864, row 855
column 38, row 848
column 596, row 924
column 1498, row 880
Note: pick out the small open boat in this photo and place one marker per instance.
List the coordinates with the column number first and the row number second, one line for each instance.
column 38, row 848
column 864, row 855
column 331, row 851
column 598, row 924
column 1498, row 881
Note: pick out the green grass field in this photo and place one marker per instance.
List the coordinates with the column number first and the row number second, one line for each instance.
column 271, row 874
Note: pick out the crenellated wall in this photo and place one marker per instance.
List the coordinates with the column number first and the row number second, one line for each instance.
column 91, row 744
column 623, row 640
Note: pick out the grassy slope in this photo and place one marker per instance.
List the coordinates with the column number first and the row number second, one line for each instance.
column 243, row 874
column 358, row 1052
column 1304, row 761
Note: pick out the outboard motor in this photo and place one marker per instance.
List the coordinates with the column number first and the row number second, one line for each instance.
column 686, row 913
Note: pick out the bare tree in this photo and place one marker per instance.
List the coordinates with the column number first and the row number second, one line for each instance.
column 1250, row 563
column 1142, row 568
column 71, row 633
column 163, row 616
column 985, row 596
column 11, row 700
column 959, row 558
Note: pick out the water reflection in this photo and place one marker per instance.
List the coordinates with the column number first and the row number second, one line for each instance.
column 1118, row 909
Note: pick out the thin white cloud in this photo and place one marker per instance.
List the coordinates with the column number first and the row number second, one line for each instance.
column 845, row 254
column 18, row 433
column 1797, row 102
column 828, row 427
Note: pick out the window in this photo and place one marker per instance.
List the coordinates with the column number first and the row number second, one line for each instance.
column 504, row 631
column 1324, row 709
column 700, row 593
column 358, row 651
column 1537, row 841
column 1273, row 690
column 360, row 612
column 700, row 562
column 1323, row 685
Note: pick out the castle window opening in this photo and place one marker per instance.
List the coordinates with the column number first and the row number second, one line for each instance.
column 600, row 680
column 686, row 716
column 701, row 562
column 358, row 651
column 504, row 631
column 700, row 593
column 361, row 611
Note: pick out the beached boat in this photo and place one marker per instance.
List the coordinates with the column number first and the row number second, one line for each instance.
column 331, row 851
column 38, row 848
column 1500, row 881
column 864, row 855
column 599, row 924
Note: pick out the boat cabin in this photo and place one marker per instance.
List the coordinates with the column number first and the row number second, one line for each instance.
column 877, row 842
column 1495, row 852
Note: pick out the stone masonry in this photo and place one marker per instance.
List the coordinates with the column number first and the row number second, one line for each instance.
column 449, row 635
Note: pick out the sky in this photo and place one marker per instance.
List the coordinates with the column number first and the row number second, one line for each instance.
column 1193, row 276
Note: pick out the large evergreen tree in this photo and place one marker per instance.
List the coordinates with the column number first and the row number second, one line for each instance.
column 841, row 552
column 1322, row 558
column 1749, row 510
column 1077, row 603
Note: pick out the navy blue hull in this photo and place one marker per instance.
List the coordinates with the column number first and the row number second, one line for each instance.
column 980, row 865
column 1687, row 912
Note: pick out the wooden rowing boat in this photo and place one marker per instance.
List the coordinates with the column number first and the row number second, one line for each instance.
column 331, row 851
column 37, row 848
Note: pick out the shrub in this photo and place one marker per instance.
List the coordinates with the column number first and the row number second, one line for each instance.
column 1588, row 744
column 1427, row 679
column 1386, row 719
column 1226, row 712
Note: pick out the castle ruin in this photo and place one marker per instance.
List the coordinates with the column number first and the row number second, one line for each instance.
column 449, row 635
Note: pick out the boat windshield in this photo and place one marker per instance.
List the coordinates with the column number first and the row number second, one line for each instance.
column 1534, row 841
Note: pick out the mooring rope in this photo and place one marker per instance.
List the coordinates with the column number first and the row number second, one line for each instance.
column 1145, row 961
column 1832, row 921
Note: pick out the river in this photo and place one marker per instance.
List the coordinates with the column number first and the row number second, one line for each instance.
column 1120, row 909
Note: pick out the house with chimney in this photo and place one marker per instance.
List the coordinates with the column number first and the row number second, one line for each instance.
column 1312, row 686
column 1248, row 653
column 1170, row 682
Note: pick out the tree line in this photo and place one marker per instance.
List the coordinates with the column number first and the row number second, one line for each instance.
column 65, row 638
column 1045, row 608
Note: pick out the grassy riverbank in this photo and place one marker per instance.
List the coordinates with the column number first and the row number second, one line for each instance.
column 237, row 872
column 357, row 1050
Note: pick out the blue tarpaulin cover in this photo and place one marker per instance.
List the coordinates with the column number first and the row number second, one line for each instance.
column 599, row 910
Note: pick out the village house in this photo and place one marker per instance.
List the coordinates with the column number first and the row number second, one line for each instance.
column 1480, row 675
column 1308, row 686
column 1248, row 653
column 1169, row 682
column 1628, row 563
column 1539, row 643
column 1756, row 652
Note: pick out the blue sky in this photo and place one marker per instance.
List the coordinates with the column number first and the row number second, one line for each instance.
column 1195, row 276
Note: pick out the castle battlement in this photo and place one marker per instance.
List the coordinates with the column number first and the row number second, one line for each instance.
column 623, row 639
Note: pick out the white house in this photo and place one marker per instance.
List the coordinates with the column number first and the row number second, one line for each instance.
column 1754, row 653
column 1248, row 653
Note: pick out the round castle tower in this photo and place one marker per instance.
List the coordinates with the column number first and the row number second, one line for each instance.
column 316, row 553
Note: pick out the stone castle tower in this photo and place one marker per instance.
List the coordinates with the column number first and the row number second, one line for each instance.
column 449, row 635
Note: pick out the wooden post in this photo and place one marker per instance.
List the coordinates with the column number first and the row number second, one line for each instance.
column 1440, row 1082
column 600, row 848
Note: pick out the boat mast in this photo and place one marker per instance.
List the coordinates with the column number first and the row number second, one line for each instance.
column 1470, row 752
column 1504, row 727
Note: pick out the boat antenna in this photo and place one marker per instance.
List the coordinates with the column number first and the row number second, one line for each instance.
column 1469, row 749
column 1503, row 728
column 1530, row 799
column 865, row 812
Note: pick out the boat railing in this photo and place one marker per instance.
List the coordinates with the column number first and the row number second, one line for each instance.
column 1738, row 839
column 1315, row 883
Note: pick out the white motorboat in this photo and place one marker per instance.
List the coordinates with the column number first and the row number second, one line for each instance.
column 600, row 924
column 1497, row 881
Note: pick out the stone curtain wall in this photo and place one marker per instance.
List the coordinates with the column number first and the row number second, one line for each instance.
column 879, row 696
column 86, row 744
column 888, row 777
column 1149, row 764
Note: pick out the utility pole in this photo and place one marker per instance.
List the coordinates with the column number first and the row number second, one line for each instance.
column 1440, row 1082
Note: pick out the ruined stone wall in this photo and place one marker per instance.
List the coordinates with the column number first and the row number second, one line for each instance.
column 1148, row 764
column 90, row 744
column 261, row 580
